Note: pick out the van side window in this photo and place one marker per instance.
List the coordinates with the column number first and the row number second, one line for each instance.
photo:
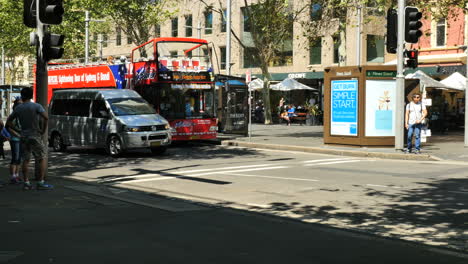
column 78, row 107
column 59, row 107
column 99, row 109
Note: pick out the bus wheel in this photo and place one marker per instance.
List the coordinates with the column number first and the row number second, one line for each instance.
column 57, row 143
column 114, row 146
column 158, row 151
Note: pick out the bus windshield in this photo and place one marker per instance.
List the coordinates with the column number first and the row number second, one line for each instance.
column 183, row 56
column 130, row 106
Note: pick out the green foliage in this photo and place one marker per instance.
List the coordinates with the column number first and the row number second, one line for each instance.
column 14, row 35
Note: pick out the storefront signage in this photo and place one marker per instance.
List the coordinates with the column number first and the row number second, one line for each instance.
column 344, row 108
column 190, row 86
column 386, row 74
column 380, row 108
column 297, row 75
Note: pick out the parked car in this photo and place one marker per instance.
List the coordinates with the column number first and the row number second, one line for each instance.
column 114, row 119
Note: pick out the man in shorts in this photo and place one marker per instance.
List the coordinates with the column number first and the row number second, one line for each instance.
column 31, row 115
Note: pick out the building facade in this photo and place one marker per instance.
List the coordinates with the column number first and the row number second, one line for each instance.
column 301, row 59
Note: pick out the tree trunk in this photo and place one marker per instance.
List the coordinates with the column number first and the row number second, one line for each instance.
column 266, row 95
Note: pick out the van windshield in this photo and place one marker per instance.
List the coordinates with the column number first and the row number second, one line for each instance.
column 130, row 106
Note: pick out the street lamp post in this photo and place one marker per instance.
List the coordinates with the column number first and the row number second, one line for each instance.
column 87, row 20
column 465, row 48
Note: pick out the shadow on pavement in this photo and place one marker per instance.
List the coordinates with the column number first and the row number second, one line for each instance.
column 435, row 213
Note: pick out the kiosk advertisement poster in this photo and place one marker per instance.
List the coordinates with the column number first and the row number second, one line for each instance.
column 344, row 108
column 380, row 108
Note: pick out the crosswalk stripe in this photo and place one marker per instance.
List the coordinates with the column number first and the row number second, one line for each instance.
column 270, row 177
column 225, row 168
column 333, row 162
column 234, row 171
column 323, row 160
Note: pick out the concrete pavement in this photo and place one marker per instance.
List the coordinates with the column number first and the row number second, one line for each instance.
column 310, row 139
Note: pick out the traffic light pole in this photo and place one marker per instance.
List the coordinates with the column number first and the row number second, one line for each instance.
column 41, row 77
column 400, row 79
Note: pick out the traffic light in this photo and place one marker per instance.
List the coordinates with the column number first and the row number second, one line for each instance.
column 412, row 58
column 29, row 13
column 50, row 11
column 392, row 30
column 52, row 46
column 412, row 24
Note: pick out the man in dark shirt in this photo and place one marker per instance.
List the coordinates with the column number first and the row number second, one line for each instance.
column 31, row 115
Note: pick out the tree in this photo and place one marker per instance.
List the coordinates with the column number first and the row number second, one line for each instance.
column 136, row 18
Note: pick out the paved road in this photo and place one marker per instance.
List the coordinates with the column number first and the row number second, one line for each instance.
column 416, row 201
column 70, row 225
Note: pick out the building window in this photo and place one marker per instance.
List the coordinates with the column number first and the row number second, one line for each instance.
column 375, row 48
column 118, row 36
column 208, row 22
column 223, row 21
column 188, row 25
column 440, row 33
column 249, row 59
column 175, row 27
column 316, row 52
column 157, row 31
column 245, row 19
column 223, row 57
column 316, row 11
column 105, row 38
column 336, row 51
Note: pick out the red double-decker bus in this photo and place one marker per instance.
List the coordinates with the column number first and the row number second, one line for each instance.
column 175, row 75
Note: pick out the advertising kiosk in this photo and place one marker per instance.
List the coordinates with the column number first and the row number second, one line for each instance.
column 359, row 105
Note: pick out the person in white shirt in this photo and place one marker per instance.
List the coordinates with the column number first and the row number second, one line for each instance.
column 415, row 114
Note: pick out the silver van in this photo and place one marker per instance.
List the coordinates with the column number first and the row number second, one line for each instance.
column 116, row 119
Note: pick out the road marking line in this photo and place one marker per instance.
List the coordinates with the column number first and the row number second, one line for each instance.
column 154, row 179
column 322, row 160
column 221, row 171
column 334, row 162
column 377, row 185
column 226, row 168
column 270, row 177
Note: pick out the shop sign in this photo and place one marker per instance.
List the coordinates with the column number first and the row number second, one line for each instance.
column 380, row 108
column 297, row 75
column 381, row 74
column 344, row 108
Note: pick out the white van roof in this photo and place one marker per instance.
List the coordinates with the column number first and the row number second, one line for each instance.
column 94, row 94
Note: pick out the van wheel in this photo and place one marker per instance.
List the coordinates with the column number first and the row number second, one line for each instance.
column 158, row 151
column 57, row 143
column 114, row 146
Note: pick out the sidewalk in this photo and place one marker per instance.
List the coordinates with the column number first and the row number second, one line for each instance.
column 310, row 139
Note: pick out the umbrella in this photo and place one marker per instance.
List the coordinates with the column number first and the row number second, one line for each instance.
column 289, row 84
column 426, row 81
column 256, row 84
column 455, row 80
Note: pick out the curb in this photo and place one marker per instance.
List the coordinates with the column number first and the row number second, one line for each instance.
column 352, row 153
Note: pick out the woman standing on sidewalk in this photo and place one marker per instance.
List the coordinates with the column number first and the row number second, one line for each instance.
column 15, row 145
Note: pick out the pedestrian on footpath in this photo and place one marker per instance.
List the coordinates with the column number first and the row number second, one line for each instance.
column 15, row 145
column 31, row 116
column 414, row 116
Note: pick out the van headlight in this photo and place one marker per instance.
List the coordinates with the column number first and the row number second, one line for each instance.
column 168, row 126
column 132, row 129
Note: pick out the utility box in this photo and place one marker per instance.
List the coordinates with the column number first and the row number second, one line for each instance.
column 359, row 105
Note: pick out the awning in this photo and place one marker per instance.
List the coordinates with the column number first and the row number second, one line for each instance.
column 455, row 80
column 230, row 82
column 289, row 84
